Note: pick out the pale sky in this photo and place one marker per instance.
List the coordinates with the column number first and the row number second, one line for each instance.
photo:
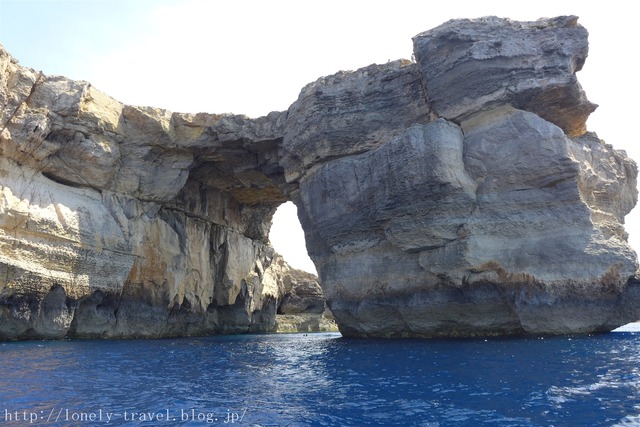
column 253, row 57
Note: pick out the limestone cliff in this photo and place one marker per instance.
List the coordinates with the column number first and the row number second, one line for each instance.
column 301, row 303
column 483, row 207
column 119, row 221
column 458, row 195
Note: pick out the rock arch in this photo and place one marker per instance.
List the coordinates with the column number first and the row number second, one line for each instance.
column 459, row 195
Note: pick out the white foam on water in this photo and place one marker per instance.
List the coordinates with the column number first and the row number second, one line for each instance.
column 630, row 327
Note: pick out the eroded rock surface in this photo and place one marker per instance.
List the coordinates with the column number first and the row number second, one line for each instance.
column 301, row 303
column 491, row 211
column 121, row 221
column 473, row 65
column 458, row 195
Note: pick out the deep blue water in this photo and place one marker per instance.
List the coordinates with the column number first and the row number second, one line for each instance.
column 323, row 380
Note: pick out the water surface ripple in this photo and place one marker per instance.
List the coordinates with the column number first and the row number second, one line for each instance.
column 324, row 380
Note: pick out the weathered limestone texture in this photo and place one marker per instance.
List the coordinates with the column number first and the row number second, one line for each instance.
column 120, row 221
column 301, row 303
column 488, row 210
column 458, row 195
column 474, row 65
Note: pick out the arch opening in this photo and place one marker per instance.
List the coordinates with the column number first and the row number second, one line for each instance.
column 287, row 238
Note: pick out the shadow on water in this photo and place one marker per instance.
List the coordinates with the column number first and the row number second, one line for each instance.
column 326, row 380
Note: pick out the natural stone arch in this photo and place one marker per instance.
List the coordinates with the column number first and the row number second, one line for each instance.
column 129, row 221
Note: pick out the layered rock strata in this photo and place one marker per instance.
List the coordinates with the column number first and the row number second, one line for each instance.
column 120, row 221
column 301, row 303
column 458, row 195
column 484, row 208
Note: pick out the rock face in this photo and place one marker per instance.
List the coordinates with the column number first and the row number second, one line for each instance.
column 119, row 221
column 469, row 66
column 459, row 195
column 301, row 304
column 489, row 210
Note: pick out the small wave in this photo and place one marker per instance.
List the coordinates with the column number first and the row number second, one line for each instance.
column 628, row 421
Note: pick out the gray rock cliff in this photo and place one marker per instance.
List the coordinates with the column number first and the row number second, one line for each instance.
column 473, row 65
column 458, row 195
column 120, row 221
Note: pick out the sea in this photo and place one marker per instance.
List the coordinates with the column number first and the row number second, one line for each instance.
column 323, row 379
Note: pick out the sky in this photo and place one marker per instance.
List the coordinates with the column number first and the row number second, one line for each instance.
column 253, row 57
